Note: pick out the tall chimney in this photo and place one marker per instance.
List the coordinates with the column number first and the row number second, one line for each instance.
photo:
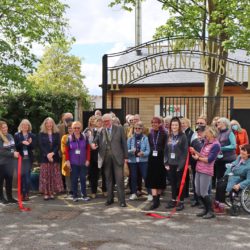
column 138, row 29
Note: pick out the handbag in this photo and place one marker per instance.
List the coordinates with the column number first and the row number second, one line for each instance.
column 126, row 170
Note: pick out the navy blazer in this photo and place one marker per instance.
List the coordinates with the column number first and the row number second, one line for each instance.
column 18, row 137
column 47, row 147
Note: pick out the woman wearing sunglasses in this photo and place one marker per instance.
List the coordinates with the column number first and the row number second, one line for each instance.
column 78, row 159
column 138, row 151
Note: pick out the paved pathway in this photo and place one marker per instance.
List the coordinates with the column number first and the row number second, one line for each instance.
column 62, row 224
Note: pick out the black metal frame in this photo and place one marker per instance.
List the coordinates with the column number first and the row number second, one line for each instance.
column 195, row 105
column 106, row 68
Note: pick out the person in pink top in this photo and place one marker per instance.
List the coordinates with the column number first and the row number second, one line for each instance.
column 205, row 170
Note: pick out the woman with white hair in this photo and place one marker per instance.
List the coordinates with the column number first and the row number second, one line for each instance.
column 24, row 141
column 138, row 152
column 228, row 147
column 241, row 135
column 78, row 159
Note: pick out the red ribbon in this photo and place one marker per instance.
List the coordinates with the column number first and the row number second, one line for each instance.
column 19, row 194
column 183, row 180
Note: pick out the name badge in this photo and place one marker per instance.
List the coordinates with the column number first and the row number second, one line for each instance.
column 137, row 159
column 172, row 155
column 77, row 151
column 155, row 153
column 25, row 152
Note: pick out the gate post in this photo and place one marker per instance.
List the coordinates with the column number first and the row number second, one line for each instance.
column 231, row 106
column 104, row 81
column 161, row 106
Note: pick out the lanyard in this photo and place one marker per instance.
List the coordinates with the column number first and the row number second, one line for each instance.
column 137, row 143
column 174, row 141
column 155, row 141
column 77, row 142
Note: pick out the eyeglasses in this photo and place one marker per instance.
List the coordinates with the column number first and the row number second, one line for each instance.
column 138, row 128
column 106, row 120
column 199, row 123
column 76, row 128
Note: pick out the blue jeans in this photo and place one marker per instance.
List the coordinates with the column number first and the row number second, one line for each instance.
column 25, row 176
column 143, row 167
column 76, row 172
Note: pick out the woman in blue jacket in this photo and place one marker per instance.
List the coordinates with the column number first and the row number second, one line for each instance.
column 237, row 177
column 239, row 170
column 25, row 141
column 138, row 152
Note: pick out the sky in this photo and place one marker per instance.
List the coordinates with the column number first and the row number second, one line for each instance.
column 100, row 30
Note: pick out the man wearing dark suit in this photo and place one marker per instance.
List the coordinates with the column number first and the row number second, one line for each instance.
column 112, row 146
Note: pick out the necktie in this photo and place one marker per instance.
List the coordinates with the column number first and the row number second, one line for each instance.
column 109, row 132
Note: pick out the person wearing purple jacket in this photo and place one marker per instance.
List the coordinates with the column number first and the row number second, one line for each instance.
column 205, row 170
column 77, row 155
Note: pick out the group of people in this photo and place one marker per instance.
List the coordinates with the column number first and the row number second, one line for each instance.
column 156, row 155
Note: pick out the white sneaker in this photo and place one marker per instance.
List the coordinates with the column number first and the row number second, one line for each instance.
column 75, row 199
column 150, row 197
column 133, row 197
column 85, row 198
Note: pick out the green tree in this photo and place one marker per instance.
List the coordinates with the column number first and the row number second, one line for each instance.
column 36, row 107
column 226, row 21
column 59, row 72
column 22, row 24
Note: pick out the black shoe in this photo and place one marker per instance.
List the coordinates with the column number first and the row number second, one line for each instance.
column 201, row 206
column 195, row 203
column 123, row 204
column 204, row 212
column 12, row 200
column 109, row 202
column 171, row 204
column 180, row 206
column 209, row 215
column 153, row 206
column 3, row 201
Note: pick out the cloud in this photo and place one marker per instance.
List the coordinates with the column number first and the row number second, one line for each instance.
column 93, row 74
column 93, row 22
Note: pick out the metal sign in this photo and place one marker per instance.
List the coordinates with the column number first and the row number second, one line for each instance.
column 171, row 55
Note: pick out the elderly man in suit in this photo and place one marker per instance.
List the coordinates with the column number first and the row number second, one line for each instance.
column 112, row 146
